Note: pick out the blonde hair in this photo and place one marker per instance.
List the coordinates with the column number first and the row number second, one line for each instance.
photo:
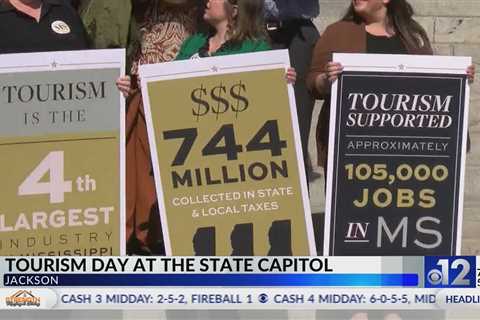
column 248, row 23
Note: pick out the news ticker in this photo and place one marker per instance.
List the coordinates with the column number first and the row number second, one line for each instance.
column 238, row 299
column 418, row 283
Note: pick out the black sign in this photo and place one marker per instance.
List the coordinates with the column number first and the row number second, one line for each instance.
column 397, row 162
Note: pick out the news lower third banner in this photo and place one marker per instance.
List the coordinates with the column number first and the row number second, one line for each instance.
column 358, row 283
column 227, row 156
column 396, row 162
column 62, row 153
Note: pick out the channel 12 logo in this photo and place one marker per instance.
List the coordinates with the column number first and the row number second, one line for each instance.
column 450, row 272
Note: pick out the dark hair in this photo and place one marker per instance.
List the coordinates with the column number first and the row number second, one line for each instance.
column 248, row 23
column 400, row 15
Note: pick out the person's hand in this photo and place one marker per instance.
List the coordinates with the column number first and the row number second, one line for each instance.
column 291, row 75
column 124, row 85
column 471, row 73
column 333, row 69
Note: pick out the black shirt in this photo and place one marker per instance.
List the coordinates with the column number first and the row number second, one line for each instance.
column 385, row 45
column 60, row 28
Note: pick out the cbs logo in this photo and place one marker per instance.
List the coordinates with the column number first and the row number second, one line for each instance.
column 451, row 272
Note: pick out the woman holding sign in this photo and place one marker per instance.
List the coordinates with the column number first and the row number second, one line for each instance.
column 163, row 26
column 369, row 26
column 235, row 27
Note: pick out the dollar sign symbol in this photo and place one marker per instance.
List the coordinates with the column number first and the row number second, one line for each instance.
column 217, row 96
column 242, row 102
column 202, row 106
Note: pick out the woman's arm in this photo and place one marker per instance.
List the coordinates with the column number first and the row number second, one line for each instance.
column 317, row 78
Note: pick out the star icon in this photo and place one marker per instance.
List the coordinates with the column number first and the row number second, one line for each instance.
column 54, row 64
column 214, row 69
column 401, row 67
